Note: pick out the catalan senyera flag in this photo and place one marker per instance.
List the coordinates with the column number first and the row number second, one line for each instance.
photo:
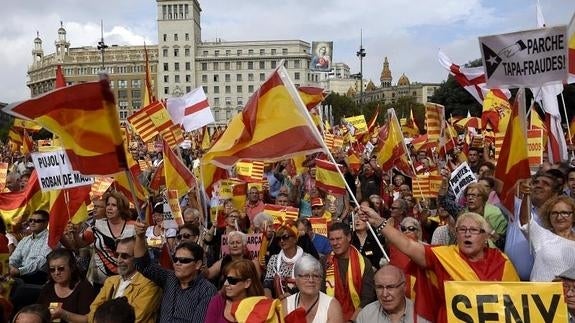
column 250, row 171
column 14, row 206
column 178, row 176
column 173, row 135
column 391, row 146
column 327, row 177
column 495, row 107
column 151, row 120
column 311, row 96
column 257, row 309
column 261, row 132
column 85, row 119
column 31, row 126
column 434, row 116
column 411, row 127
column 513, row 163
column 281, row 213
column 67, row 205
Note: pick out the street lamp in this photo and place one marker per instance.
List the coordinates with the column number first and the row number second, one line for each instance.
column 101, row 45
column 361, row 54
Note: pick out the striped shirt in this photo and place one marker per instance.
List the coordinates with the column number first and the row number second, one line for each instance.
column 30, row 253
column 178, row 305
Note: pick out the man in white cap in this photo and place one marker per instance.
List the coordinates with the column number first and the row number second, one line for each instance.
column 568, row 279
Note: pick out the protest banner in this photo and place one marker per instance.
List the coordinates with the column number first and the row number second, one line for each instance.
column 358, row 122
column 254, row 241
column 250, row 171
column 468, row 301
column 55, row 171
column 535, row 147
column 281, row 213
column 3, row 174
column 460, row 178
column 526, row 58
column 318, row 225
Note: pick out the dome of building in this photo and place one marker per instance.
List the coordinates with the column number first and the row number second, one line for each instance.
column 403, row 80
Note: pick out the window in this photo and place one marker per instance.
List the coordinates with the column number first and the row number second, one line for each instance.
column 188, row 66
column 123, row 95
column 228, row 52
column 176, row 66
column 228, row 101
column 228, row 89
column 216, row 66
column 273, row 51
column 296, row 63
column 186, row 51
column 165, row 37
column 239, row 89
column 216, row 78
column 239, row 77
column 188, row 89
column 250, row 52
column 122, row 84
column 205, row 89
column 250, row 88
column 217, row 102
column 239, row 52
column 296, row 76
column 204, row 78
column 216, row 89
column 273, row 64
column 136, row 84
column 165, row 52
column 176, row 52
column 188, row 79
column 262, row 65
column 238, row 65
column 187, row 36
column 166, row 68
column 175, row 37
column 228, row 78
column 284, row 51
column 166, row 79
column 177, row 78
column 262, row 51
column 205, row 53
column 136, row 94
column 262, row 77
column 250, row 77
column 166, row 90
column 250, row 65
column 204, row 66
column 227, row 66
column 240, row 101
column 216, row 53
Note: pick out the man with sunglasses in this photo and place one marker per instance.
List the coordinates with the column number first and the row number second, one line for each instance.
column 141, row 293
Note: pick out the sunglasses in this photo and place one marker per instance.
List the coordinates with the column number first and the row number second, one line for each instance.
column 182, row 260
column 409, row 228
column 233, row 280
column 285, row 237
column 57, row 269
column 184, row 236
column 36, row 220
column 124, row 255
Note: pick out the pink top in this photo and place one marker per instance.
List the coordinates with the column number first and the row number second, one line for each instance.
column 215, row 312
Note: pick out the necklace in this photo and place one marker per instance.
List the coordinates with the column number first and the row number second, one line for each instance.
column 297, row 299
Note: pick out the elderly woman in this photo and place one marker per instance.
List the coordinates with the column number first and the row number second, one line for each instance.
column 237, row 242
column 553, row 240
column 280, row 276
column 476, row 196
column 310, row 304
column 213, row 237
column 66, row 288
column 241, row 280
column 104, row 234
column 469, row 260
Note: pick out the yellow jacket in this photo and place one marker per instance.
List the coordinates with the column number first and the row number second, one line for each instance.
column 142, row 294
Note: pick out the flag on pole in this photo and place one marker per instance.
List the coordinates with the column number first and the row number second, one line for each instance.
column 85, row 119
column 191, row 110
column 60, row 80
column 411, row 127
column 513, row 162
column 173, row 135
column 27, row 143
column 261, row 132
column 14, row 206
column 67, row 205
column 434, row 116
column 496, row 107
column 149, row 97
column 178, row 176
column 311, row 96
column 535, row 120
column 31, row 126
column 206, row 141
column 391, row 147
column 571, row 44
column 327, row 177
column 151, row 121
column 250, row 171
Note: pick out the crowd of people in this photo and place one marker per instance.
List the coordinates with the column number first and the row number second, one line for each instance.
column 367, row 265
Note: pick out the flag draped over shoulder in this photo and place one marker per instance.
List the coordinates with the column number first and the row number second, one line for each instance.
column 261, row 131
column 85, row 119
column 328, row 178
column 257, row 309
column 513, row 162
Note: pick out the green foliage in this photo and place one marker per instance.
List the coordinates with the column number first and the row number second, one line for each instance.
column 456, row 99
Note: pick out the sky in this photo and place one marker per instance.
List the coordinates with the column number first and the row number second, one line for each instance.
column 409, row 33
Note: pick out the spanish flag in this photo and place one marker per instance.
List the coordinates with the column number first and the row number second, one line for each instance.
column 495, row 108
column 411, row 127
column 328, row 179
column 85, row 119
column 391, row 147
column 258, row 309
column 311, row 96
column 571, row 44
column 274, row 125
column 123, row 179
column 67, row 205
column 178, row 176
column 14, row 206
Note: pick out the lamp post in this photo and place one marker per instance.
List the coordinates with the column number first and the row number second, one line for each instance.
column 361, row 54
column 101, row 45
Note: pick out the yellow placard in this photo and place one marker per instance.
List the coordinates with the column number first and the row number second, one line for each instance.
column 505, row 302
column 174, row 203
column 358, row 122
column 319, row 225
column 535, row 147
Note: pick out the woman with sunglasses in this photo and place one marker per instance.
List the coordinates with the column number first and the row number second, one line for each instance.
column 237, row 243
column 310, row 304
column 553, row 238
column 241, row 280
column 474, row 260
column 363, row 240
column 66, row 289
column 279, row 281
column 188, row 232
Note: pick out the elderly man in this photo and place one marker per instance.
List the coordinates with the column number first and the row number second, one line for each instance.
column 254, row 204
column 349, row 274
column 568, row 280
column 391, row 304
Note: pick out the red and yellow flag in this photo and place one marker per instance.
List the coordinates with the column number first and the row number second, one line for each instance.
column 151, row 121
column 210, row 175
column 513, row 162
column 411, row 127
column 328, row 179
column 14, row 206
column 434, row 116
column 173, row 135
column 496, row 111
column 67, row 205
column 60, row 80
column 261, row 132
column 391, row 146
column 281, row 213
column 31, row 126
column 85, row 119
column 311, row 96
column 178, row 176
column 148, row 92
column 250, row 171
column 27, row 143
column 257, row 309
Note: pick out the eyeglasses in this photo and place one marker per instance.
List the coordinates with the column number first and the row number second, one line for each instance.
column 409, row 228
column 36, row 220
column 394, row 208
column 382, row 288
column 563, row 214
column 568, row 287
column 182, row 260
column 184, row 236
column 57, row 269
column 471, row 195
column 285, row 237
column 233, row 280
column 472, row 231
column 124, row 255
column 309, row 276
